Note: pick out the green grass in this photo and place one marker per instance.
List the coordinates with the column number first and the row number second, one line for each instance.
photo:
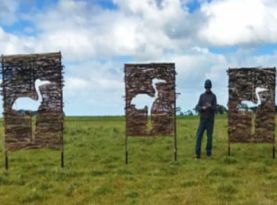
column 95, row 172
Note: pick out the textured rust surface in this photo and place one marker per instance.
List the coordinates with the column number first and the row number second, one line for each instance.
column 139, row 80
column 243, row 124
column 19, row 75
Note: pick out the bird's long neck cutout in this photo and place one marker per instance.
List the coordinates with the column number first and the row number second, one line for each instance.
column 258, row 90
column 258, row 97
column 155, row 82
column 155, row 89
column 37, row 84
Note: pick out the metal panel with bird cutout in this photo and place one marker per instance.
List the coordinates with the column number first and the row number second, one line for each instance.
column 251, row 116
column 150, row 99
column 33, row 101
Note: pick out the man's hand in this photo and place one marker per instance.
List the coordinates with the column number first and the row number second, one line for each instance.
column 208, row 105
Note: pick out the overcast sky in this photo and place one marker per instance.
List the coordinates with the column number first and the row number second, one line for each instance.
column 97, row 37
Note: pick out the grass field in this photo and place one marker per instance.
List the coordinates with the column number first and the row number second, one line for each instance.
column 95, row 172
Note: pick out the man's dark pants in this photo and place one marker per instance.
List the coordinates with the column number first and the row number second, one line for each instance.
column 206, row 123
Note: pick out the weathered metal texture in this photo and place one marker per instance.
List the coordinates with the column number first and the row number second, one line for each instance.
column 138, row 80
column 19, row 75
column 242, row 86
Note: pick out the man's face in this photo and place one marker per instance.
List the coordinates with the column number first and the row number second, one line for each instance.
column 208, row 89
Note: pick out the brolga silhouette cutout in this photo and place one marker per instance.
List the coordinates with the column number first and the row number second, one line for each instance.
column 30, row 105
column 27, row 103
column 251, row 104
column 144, row 100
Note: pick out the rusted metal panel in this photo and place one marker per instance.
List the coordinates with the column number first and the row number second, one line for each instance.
column 140, row 80
column 243, row 124
column 20, row 73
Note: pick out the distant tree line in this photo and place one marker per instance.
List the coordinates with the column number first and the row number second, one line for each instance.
column 220, row 109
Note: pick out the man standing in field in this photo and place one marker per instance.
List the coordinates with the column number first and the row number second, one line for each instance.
column 206, row 107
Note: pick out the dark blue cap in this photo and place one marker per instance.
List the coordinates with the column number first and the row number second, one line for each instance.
column 208, row 84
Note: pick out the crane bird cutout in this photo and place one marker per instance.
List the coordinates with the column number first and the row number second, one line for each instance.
column 145, row 100
column 27, row 103
column 250, row 104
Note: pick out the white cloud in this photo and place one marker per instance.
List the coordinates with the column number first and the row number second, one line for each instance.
column 81, row 30
column 146, row 29
column 90, row 78
column 76, row 84
column 235, row 22
column 11, row 43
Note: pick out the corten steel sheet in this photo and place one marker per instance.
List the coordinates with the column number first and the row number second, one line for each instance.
column 139, row 79
column 244, row 125
column 19, row 74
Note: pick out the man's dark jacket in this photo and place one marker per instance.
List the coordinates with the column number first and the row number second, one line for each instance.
column 207, row 99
